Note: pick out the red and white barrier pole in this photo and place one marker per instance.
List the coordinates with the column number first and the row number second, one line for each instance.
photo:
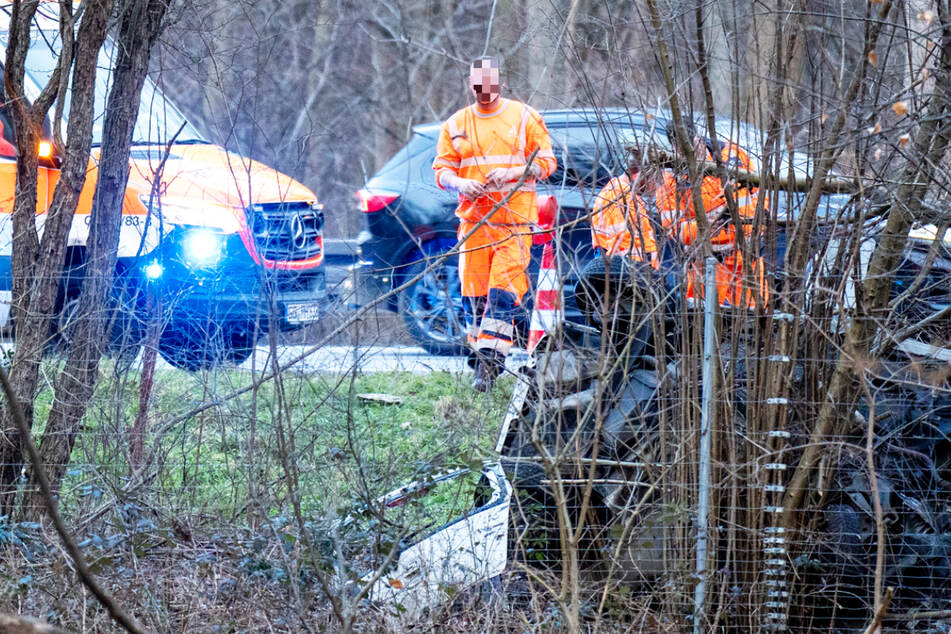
column 548, row 311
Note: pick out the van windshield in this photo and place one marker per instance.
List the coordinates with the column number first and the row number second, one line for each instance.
column 158, row 119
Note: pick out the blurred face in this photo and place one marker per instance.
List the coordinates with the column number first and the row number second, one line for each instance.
column 647, row 180
column 699, row 146
column 484, row 83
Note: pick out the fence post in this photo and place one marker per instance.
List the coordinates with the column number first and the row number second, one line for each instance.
column 706, row 420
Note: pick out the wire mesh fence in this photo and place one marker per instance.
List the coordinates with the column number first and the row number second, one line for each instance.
column 607, row 457
column 582, row 510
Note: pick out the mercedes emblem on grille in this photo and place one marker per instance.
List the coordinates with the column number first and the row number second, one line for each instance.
column 298, row 234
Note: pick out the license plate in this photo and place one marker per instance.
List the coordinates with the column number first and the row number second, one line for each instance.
column 302, row 313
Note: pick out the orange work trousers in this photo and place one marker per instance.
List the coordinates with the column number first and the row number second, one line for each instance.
column 492, row 270
column 731, row 289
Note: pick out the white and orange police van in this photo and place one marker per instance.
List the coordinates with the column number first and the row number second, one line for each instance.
column 218, row 247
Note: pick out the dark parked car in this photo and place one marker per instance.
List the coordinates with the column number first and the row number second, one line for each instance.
column 409, row 219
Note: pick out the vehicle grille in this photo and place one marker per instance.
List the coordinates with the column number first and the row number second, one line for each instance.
column 285, row 231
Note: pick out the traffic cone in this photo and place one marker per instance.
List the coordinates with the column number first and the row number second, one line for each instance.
column 548, row 312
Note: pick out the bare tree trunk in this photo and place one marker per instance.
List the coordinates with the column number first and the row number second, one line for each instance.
column 139, row 25
column 37, row 264
column 507, row 34
column 25, row 240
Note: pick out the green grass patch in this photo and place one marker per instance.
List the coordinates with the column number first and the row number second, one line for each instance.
column 308, row 436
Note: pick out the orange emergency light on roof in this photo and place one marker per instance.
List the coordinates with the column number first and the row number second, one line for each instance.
column 45, row 149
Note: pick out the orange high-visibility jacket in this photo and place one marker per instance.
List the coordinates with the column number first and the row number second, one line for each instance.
column 675, row 201
column 471, row 143
column 620, row 224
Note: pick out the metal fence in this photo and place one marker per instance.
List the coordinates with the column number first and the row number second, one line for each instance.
column 638, row 472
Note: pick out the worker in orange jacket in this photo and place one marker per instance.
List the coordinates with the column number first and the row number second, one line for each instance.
column 675, row 205
column 482, row 153
column 620, row 224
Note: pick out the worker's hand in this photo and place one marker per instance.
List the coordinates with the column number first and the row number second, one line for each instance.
column 470, row 188
column 501, row 175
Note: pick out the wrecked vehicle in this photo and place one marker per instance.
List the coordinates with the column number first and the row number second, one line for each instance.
column 600, row 433
column 594, row 427
column 605, row 415
column 421, row 545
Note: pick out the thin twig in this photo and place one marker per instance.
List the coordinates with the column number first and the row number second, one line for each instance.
column 115, row 611
column 917, row 616
column 876, row 503
column 873, row 627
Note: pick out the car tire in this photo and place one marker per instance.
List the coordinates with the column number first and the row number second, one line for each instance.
column 191, row 347
column 125, row 330
column 127, row 324
column 126, row 337
column 432, row 308
column 626, row 321
column 533, row 522
column 124, row 317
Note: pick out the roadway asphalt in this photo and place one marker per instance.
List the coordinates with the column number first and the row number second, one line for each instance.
column 364, row 359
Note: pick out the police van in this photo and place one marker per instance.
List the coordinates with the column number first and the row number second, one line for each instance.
column 215, row 248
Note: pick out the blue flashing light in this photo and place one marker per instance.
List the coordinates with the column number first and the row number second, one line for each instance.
column 153, row 270
column 202, row 247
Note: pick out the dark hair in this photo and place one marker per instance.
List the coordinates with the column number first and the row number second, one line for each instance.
column 486, row 62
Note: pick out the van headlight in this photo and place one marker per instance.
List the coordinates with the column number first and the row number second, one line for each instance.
column 201, row 247
column 153, row 270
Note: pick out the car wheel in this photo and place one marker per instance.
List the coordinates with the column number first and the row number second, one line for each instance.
column 126, row 336
column 533, row 520
column 127, row 324
column 192, row 347
column 432, row 308
column 628, row 287
column 125, row 330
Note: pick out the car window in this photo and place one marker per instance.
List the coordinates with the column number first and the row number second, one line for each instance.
column 157, row 120
column 590, row 156
column 582, row 161
column 788, row 206
column 411, row 513
column 413, row 163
